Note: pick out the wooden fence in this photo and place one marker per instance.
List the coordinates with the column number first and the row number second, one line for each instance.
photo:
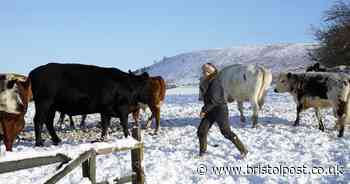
column 88, row 162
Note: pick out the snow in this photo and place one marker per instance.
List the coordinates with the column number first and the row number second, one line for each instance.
column 172, row 156
column 71, row 152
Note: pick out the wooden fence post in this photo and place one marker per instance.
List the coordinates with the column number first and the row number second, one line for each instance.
column 70, row 167
column 89, row 168
column 137, row 157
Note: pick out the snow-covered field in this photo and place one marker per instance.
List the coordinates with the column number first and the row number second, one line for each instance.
column 172, row 156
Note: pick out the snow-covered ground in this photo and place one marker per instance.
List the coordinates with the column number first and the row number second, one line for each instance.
column 172, row 156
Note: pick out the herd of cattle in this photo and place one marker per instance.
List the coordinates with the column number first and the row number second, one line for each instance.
column 76, row 89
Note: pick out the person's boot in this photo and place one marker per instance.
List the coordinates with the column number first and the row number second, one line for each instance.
column 202, row 147
column 241, row 148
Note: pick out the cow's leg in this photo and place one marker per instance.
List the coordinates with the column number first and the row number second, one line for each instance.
column 320, row 123
column 340, row 126
column 124, row 122
column 19, row 126
column 149, row 120
column 105, row 122
column 40, row 117
column 299, row 108
column 82, row 123
column 51, row 129
column 9, row 135
column 240, row 108
column 341, row 115
column 255, row 113
column 156, row 112
column 135, row 116
column 61, row 120
column 202, row 134
column 71, row 122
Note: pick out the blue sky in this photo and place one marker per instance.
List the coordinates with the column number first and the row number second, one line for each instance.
column 132, row 34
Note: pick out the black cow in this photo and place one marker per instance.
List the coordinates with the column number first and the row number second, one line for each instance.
column 336, row 69
column 77, row 89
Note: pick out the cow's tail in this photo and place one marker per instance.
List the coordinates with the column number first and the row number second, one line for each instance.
column 347, row 110
column 30, row 92
column 265, row 83
column 162, row 85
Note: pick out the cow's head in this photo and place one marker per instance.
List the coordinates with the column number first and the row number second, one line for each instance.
column 285, row 82
column 316, row 68
column 10, row 95
column 142, row 76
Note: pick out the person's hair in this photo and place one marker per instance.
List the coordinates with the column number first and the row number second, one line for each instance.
column 215, row 70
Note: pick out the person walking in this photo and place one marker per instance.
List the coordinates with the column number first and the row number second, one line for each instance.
column 214, row 110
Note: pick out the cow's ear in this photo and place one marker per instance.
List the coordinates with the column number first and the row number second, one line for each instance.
column 11, row 84
column 24, row 84
column 317, row 65
column 130, row 73
column 289, row 75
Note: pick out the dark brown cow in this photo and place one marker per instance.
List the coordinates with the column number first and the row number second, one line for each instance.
column 11, row 124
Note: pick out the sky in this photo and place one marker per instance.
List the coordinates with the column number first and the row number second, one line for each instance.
column 132, row 34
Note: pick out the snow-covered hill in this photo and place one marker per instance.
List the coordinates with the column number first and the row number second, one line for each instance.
column 184, row 69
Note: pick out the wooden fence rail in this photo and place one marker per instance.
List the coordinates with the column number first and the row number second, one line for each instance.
column 88, row 162
column 11, row 166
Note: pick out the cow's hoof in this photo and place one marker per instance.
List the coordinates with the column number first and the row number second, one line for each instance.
column 56, row 141
column 153, row 134
column 296, row 124
column 39, row 143
column 322, row 129
column 340, row 135
column 97, row 140
column 203, row 154
column 126, row 133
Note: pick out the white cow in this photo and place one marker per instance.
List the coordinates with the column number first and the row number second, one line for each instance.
column 243, row 83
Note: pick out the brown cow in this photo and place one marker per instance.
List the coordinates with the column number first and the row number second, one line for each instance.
column 158, row 95
column 12, row 123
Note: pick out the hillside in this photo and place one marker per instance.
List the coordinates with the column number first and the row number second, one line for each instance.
column 184, row 69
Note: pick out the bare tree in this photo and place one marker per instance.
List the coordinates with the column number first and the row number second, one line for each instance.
column 334, row 36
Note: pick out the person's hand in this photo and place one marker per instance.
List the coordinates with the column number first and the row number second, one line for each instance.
column 202, row 114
